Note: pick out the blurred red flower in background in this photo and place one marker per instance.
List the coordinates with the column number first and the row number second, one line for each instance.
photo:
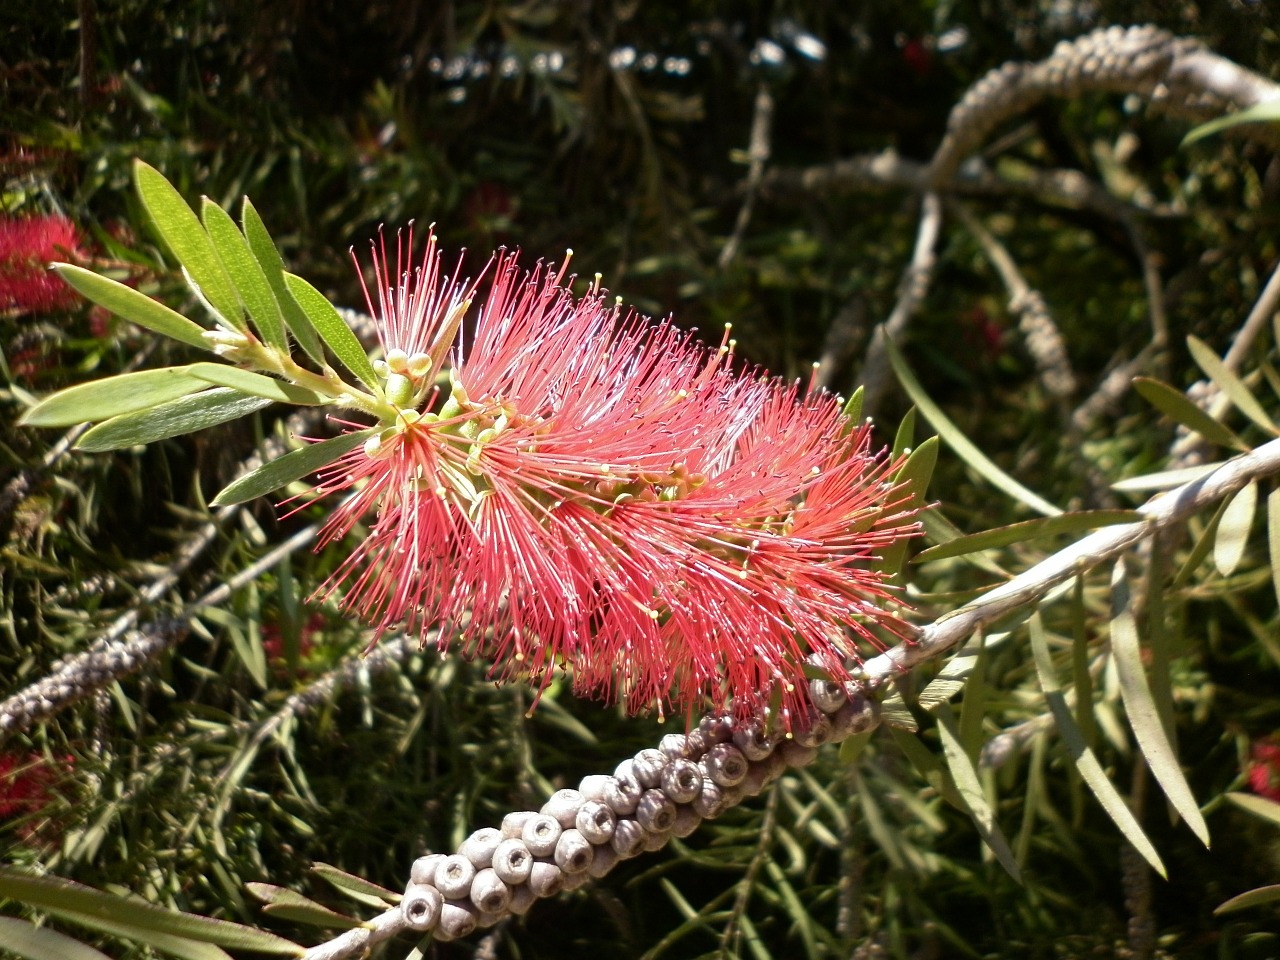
column 1264, row 769
column 28, row 784
column 27, row 246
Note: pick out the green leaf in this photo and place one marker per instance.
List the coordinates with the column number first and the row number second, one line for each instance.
column 906, row 435
column 1086, row 762
column 965, row 448
column 288, row 905
column 245, row 273
column 134, row 306
column 1273, row 538
column 1268, row 810
column 333, row 330
column 853, row 408
column 171, row 419
column 186, row 239
column 39, row 943
column 136, row 919
column 851, row 748
column 103, row 399
column 1250, row 898
column 1233, row 529
column 268, row 257
column 1076, row 522
column 1140, row 705
column 1232, row 386
column 1258, row 113
column 1166, row 479
column 1173, row 404
column 356, row 887
column 969, row 786
column 256, row 384
column 292, row 466
column 915, row 475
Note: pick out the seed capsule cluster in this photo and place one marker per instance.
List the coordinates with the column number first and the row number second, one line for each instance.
column 579, row 835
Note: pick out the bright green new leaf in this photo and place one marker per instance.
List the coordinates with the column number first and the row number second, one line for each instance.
column 187, row 240
column 1085, row 760
column 103, row 399
column 1233, row 530
column 1258, row 113
column 268, row 257
column 356, row 887
column 905, row 438
column 245, row 273
column 1140, row 705
column 136, row 919
column 1072, row 523
column 965, row 448
column 1174, row 404
column 1256, row 897
column 915, row 475
column 965, row 775
column 288, row 905
column 40, row 943
column 1231, row 385
column 292, row 466
column 256, row 384
column 333, row 329
column 853, row 408
column 172, row 419
column 134, row 306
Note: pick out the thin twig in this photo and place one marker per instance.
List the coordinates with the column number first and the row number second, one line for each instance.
column 757, row 155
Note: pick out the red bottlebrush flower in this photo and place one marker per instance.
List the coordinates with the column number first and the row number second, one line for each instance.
column 1264, row 770
column 27, row 785
column 27, row 246
column 609, row 496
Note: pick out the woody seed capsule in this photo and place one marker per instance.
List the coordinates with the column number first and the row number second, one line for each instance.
column 594, row 786
column 797, row 755
column 681, row 780
column 758, row 776
column 423, row 870
column 546, row 879
column 563, row 807
column 827, row 695
column 512, row 861
column 716, row 729
column 647, row 766
column 710, row 799
column 572, row 881
column 596, row 821
column 817, row 733
column 656, row 841
column 455, row 921
column 624, row 791
column 573, row 852
column 540, row 834
column 489, row 893
column 752, row 740
column 479, row 847
column 521, row 899
column 725, row 764
column 513, row 823
column 687, row 821
column 655, row 811
column 606, row 858
column 454, row 876
column 421, row 907
column 674, row 746
column 628, row 838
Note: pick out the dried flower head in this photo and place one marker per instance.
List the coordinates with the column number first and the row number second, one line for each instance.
column 27, row 246
column 582, row 488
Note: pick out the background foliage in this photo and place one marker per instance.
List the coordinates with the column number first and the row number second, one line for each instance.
column 621, row 130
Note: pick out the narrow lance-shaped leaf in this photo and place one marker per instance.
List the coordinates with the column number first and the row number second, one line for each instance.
column 288, row 905
column 132, row 305
column 1207, row 359
column 245, row 273
column 356, row 887
column 1273, row 538
column 1174, row 404
column 1233, row 529
column 187, row 240
column 1077, row 522
column 965, row 776
column 1257, row 897
column 246, row 381
column 965, row 448
column 915, row 475
column 1268, row 810
column 103, row 399
column 1086, row 762
column 1140, row 705
column 853, row 408
column 292, row 466
column 172, row 419
column 1268, row 111
column 40, row 943
column 332, row 329
column 268, row 257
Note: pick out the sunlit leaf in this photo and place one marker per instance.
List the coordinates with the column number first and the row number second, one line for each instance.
column 853, row 407
column 1265, row 112
column 1086, row 762
column 333, row 330
column 1140, row 705
column 268, row 257
column 1174, row 404
column 133, row 305
column 1259, row 806
column 245, row 273
column 1233, row 529
column 294, row 465
column 172, row 419
column 851, row 748
column 965, row 448
column 969, row 786
column 905, row 438
column 1256, row 897
column 256, row 384
column 1166, row 479
column 356, row 887
column 1231, row 385
column 135, row 919
column 183, row 234
column 1077, row 522
column 914, row 475
column 40, row 943
column 1273, row 538
column 101, row 400
column 288, row 905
